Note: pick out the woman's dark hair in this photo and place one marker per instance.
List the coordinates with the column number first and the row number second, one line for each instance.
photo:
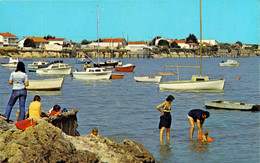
column 37, row 98
column 20, row 67
column 206, row 113
column 170, row 98
column 56, row 107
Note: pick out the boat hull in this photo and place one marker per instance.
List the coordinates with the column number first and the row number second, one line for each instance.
column 226, row 105
column 53, row 84
column 148, row 78
column 116, row 76
column 92, row 76
column 193, row 85
column 129, row 68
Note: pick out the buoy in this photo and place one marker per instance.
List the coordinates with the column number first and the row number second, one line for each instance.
column 210, row 140
column 238, row 78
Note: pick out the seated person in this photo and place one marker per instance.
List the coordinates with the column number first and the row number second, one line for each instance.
column 94, row 133
column 55, row 110
column 35, row 108
column 206, row 138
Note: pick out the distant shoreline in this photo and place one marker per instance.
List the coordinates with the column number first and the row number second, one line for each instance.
column 119, row 54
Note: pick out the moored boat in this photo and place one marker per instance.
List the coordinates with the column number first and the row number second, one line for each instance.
column 80, row 60
column 125, row 68
column 148, row 78
column 11, row 64
column 107, row 64
column 196, row 83
column 52, row 84
column 229, row 63
column 94, row 73
column 35, row 65
column 55, row 69
column 116, row 76
column 230, row 105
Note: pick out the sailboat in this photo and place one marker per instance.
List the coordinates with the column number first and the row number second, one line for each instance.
column 197, row 82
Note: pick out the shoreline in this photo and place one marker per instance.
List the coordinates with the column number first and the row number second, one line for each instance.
column 119, row 54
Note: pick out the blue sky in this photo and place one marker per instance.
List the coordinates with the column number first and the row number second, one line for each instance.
column 135, row 20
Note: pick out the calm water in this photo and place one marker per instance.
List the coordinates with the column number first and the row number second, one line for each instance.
column 124, row 109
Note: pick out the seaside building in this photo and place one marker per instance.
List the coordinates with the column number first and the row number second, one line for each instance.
column 39, row 42
column 110, row 43
column 8, row 39
column 136, row 45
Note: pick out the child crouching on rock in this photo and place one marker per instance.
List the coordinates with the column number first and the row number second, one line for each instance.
column 55, row 110
column 94, row 133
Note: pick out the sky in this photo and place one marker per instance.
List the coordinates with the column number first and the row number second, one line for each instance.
column 226, row 21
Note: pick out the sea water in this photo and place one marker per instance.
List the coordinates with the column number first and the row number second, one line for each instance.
column 125, row 109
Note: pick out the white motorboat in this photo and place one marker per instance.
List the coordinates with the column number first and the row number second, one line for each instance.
column 52, row 84
column 148, row 78
column 11, row 64
column 230, row 105
column 95, row 73
column 35, row 65
column 55, row 69
column 229, row 63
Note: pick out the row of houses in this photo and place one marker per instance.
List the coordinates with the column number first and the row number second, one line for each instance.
column 10, row 40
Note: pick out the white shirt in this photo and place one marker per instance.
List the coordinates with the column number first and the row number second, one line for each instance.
column 18, row 78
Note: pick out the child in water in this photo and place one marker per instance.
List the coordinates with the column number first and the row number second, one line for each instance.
column 94, row 133
column 206, row 137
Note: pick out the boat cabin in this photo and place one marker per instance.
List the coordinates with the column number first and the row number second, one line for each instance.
column 199, row 78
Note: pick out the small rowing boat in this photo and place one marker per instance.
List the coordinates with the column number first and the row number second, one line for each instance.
column 230, row 105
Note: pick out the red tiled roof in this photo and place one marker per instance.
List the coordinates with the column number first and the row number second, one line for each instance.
column 137, row 42
column 205, row 43
column 8, row 35
column 177, row 41
column 113, row 39
column 38, row 39
column 56, row 39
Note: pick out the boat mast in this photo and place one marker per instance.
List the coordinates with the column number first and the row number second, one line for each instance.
column 98, row 34
column 200, row 41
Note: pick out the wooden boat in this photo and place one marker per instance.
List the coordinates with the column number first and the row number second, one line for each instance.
column 197, row 82
column 116, row 76
column 11, row 64
column 227, row 105
column 52, row 84
column 55, row 69
column 229, row 63
column 92, row 74
column 35, row 65
column 148, row 78
column 165, row 73
column 125, row 68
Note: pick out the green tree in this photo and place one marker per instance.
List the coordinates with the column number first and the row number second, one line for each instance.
column 239, row 43
column 85, row 42
column 29, row 43
column 192, row 39
column 174, row 45
column 163, row 43
column 48, row 37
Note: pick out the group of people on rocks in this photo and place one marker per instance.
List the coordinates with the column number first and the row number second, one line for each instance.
column 195, row 116
column 19, row 80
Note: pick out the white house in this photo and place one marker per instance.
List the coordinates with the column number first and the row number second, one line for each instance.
column 136, row 45
column 60, row 41
column 211, row 42
column 8, row 39
column 110, row 43
column 39, row 42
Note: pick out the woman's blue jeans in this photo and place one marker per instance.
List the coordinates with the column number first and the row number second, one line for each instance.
column 21, row 94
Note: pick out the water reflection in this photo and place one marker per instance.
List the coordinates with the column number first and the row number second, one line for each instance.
column 165, row 149
column 48, row 93
column 199, row 146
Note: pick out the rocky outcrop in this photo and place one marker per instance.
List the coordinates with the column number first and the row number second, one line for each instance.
column 46, row 143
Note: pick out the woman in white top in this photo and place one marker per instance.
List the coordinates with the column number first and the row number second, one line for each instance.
column 19, row 80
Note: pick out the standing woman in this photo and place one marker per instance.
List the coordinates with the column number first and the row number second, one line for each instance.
column 166, row 118
column 19, row 80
